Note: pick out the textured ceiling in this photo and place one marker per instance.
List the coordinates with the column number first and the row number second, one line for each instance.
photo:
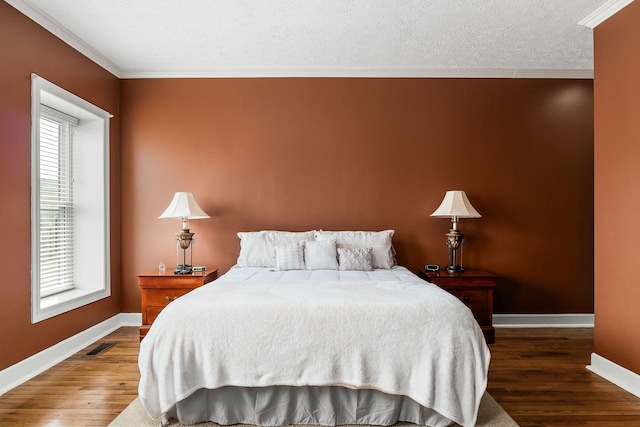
column 147, row 38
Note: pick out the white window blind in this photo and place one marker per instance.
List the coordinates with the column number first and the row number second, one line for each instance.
column 56, row 201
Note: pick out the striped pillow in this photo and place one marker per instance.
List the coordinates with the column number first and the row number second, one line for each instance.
column 320, row 255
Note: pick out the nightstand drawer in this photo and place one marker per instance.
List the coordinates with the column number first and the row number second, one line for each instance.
column 477, row 301
column 472, row 298
column 157, row 299
column 152, row 313
column 162, row 297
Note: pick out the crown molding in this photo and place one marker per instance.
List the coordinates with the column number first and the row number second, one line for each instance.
column 604, row 12
column 58, row 30
column 497, row 73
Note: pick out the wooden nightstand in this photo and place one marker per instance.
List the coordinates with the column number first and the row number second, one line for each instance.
column 475, row 290
column 159, row 289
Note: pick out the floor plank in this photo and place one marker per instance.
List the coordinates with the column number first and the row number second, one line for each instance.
column 537, row 375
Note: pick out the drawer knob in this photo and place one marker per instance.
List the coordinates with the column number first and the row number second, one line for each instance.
column 169, row 299
column 466, row 297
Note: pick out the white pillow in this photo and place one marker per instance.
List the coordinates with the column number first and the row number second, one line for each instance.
column 321, row 255
column 290, row 257
column 257, row 248
column 379, row 242
column 355, row 259
column 288, row 237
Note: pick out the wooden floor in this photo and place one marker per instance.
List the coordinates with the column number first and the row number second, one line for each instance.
column 537, row 375
column 82, row 390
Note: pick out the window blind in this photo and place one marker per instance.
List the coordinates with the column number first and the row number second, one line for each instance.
column 56, row 201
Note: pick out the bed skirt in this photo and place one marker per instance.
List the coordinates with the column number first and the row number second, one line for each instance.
column 287, row 405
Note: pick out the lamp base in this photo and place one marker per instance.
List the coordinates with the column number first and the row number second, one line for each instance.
column 182, row 245
column 183, row 269
column 454, row 246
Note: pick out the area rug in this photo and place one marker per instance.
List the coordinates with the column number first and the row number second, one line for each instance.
column 490, row 415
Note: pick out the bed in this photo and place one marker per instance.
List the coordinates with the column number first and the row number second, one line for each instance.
column 331, row 331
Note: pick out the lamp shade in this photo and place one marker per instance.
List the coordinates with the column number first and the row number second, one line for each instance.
column 184, row 206
column 456, row 205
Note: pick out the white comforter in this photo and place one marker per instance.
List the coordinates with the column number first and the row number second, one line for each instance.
column 387, row 330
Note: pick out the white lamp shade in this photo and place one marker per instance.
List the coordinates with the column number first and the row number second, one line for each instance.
column 456, row 205
column 184, row 206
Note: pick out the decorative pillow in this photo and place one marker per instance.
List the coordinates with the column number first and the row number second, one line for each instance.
column 257, row 248
column 321, row 255
column 360, row 259
column 379, row 242
column 290, row 257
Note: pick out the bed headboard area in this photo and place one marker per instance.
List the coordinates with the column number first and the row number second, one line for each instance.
column 317, row 250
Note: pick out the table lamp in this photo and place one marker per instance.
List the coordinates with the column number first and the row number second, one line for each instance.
column 455, row 205
column 184, row 207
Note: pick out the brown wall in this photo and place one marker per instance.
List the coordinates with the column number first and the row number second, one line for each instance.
column 299, row 154
column 617, row 194
column 27, row 48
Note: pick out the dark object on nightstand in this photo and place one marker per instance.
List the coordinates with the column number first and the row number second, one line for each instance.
column 475, row 289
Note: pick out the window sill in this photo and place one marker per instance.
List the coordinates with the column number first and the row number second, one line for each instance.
column 66, row 301
column 63, row 297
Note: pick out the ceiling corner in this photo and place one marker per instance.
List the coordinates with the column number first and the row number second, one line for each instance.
column 54, row 27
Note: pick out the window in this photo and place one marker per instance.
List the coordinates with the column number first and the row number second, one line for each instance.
column 69, row 201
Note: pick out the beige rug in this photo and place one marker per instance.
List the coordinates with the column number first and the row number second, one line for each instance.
column 490, row 415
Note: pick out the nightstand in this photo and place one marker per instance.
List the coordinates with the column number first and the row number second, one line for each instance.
column 475, row 289
column 159, row 289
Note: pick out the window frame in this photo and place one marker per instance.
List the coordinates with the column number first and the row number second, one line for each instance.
column 92, row 278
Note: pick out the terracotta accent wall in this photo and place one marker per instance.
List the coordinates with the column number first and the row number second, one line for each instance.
column 299, row 154
column 27, row 48
column 617, row 188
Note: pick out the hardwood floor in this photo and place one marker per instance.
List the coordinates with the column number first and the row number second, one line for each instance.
column 537, row 375
column 82, row 390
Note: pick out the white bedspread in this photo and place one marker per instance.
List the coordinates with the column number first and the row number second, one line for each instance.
column 386, row 330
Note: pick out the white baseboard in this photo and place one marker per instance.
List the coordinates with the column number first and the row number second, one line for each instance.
column 130, row 319
column 28, row 368
column 543, row 320
column 612, row 372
